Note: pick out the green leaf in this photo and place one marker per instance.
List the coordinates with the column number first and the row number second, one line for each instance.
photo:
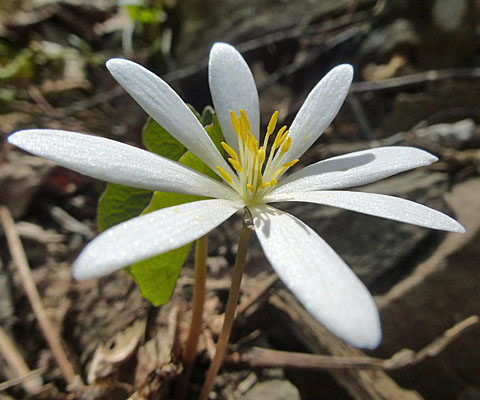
column 157, row 276
column 191, row 160
column 119, row 203
column 216, row 134
column 207, row 115
column 157, row 140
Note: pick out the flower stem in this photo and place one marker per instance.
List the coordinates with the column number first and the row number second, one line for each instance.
column 229, row 313
column 190, row 353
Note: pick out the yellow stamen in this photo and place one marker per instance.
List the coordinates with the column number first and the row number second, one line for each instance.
column 286, row 145
column 272, row 124
column 235, row 123
column 235, row 164
column 265, row 184
column 229, row 150
column 243, row 115
column 243, row 128
column 261, row 156
column 290, row 163
column 256, row 167
column 280, row 137
column 226, row 177
column 251, row 143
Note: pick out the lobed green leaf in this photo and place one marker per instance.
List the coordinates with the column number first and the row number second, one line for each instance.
column 157, row 140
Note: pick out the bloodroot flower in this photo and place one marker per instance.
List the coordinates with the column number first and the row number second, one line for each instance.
column 253, row 177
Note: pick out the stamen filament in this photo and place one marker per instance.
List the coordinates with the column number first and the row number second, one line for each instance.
column 256, row 170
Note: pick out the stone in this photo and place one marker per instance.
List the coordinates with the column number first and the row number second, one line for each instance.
column 440, row 292
column 380, row 251
column 274, row 389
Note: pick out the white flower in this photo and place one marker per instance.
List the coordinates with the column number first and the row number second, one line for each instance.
column 306, row 264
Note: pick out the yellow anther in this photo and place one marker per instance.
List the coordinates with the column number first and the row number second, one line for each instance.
column 235, row 123
column 250, row 187
column 280, row 137
column 226, row 177
column 261, row 155
column 229, row 150
column 272, row 124
column 235, row 164
column 243, row 130
column 290, row 163
column 251, row 143
column 265, row 184
column 243, row 115
column 286, row 145
column 273, row 182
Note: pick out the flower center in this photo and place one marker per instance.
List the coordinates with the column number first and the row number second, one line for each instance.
column 257, row 169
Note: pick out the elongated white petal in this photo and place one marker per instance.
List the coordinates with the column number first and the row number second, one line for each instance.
column 324, row 284
column 232, row 88
column 149, row 235
column 117, row 162
column 319, row 109
column 379, row 205
column 167, row 108
column 355, row 169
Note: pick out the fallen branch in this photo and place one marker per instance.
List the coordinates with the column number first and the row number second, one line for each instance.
column 416, row 79
column 259, row 357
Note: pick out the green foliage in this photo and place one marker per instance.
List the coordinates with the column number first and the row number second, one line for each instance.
column 215, row 132
column 157, row 140
column 208, row 114
column 119, row 203
column 138, row 12
column 157, row 276
column 20, row 67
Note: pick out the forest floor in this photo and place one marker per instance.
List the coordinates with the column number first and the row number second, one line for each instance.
column 416, row 84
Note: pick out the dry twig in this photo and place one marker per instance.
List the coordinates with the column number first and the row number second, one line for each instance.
column 19, row 258
column 18, row 367
column 258, row 357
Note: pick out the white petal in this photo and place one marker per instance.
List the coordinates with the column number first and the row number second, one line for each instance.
column 324, row 284
column 149, row 235
column 167, row 108
column 232, row 88
column 379, row 205
column 355, row 169
column 117, row 162
column 319, row 109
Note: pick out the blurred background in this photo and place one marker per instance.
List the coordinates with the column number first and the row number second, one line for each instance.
column 416, row 83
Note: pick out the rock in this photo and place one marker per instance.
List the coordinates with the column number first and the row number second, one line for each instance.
column 448, row 35
column 380, row 251
column 449, row 15
column 440, row 292
column 455, row 135
column 274, row 389
column 20, row 178
column 383, row 41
